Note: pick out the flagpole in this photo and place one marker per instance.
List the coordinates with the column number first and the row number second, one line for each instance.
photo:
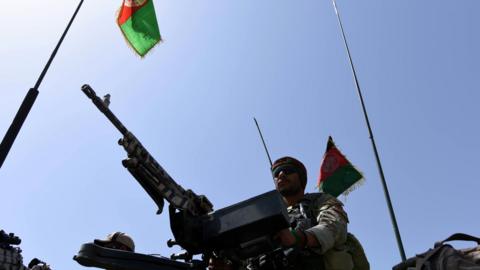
column 379, row 164
column 29, row 99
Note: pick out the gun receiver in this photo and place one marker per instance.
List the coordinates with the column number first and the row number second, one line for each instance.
column 146, row 170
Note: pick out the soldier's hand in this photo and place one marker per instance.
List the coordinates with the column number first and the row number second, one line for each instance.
column 219, row 264
column 285, row 238
column 292, row 237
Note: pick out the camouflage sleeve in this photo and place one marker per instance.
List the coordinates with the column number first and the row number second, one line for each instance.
column 331, row 229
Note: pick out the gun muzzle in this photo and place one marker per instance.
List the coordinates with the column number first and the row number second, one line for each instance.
column 88, row 91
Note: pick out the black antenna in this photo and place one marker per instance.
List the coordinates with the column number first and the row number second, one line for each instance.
column 263, row 141
column 29, row 99
column 379, row 164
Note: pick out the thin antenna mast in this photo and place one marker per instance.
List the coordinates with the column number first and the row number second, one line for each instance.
column 379, row 164
column 29, row 99
column 263, row 141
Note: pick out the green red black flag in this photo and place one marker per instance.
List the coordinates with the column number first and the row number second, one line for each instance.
column 337, row 174
column 138, row 23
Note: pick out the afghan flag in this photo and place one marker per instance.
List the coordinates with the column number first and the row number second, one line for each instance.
column 337, row 174
column 139, row 26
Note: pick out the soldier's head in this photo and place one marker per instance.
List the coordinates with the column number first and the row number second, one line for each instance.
column 117, row 240
column 290, row 176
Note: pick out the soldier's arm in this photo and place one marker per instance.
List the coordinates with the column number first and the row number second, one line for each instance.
column 331, row 228
column 302, row 239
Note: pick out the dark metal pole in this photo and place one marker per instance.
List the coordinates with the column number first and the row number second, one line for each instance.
column 29, row 99
column 263, row 141
column 379, row 165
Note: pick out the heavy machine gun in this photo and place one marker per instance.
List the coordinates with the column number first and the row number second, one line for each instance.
column 240, row 232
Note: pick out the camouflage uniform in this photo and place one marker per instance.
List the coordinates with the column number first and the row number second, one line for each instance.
column 11, row 259
column 323, row 216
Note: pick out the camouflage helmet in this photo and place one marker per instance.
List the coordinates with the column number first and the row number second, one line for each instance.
column 292, row 162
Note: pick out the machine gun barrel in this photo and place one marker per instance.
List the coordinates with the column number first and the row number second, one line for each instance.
column 146, row 170
column 103, row 107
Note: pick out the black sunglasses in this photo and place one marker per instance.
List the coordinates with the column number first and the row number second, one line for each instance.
column 288, row 169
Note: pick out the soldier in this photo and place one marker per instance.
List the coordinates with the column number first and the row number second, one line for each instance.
column 320, row 231
column 117, row 240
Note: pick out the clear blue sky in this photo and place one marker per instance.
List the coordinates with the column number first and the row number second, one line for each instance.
column 192, row 99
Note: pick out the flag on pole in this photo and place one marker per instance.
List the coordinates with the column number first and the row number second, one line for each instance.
column 337, row 174
column 138, row 23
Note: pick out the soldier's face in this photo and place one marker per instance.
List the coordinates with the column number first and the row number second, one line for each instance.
column 288, row 184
